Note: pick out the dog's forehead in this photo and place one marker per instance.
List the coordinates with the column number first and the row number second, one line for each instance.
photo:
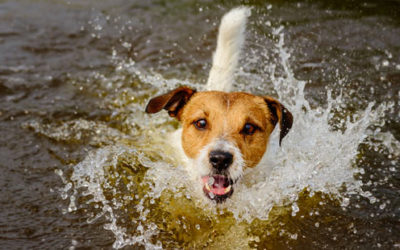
column 237, row 107
column 225, row 101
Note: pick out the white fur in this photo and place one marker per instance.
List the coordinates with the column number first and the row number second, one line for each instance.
column 226, row 57
column 231, row 37
column 202, row 167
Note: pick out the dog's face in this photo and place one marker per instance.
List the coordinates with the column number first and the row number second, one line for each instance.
column 223, row 133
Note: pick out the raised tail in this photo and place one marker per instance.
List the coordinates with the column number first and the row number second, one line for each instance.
column 231, row 37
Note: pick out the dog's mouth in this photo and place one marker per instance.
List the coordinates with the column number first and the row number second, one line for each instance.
column 217, row 187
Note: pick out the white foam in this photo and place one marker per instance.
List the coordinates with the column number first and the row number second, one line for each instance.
column 314, row 156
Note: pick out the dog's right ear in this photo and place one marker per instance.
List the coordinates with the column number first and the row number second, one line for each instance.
column 172, row 101
column 281, row 114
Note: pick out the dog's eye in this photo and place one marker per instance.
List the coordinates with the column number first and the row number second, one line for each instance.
column 249, row 129
column 200, row 124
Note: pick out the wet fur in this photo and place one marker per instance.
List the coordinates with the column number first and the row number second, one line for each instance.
column 226, row 113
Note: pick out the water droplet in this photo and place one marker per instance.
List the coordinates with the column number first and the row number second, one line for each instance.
column 295, row 209
column 345, row 202
column 385, row 63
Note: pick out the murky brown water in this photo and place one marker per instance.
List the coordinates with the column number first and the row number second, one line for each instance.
column 74, row 80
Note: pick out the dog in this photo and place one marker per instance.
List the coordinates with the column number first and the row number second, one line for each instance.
column 222, row 132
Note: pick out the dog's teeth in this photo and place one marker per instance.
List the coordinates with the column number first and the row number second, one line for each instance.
column 228, row 189
column 208, row 187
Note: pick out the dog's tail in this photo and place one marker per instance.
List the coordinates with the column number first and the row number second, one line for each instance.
column 231, row 37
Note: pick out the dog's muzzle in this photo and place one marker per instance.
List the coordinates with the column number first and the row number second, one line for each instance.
column 218, row 187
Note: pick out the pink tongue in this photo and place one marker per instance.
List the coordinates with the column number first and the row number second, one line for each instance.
column 219, row 185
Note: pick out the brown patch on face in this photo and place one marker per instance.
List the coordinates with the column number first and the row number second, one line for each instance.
column 226, row 115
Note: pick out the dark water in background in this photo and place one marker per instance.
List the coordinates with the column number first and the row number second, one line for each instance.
column 56, row 61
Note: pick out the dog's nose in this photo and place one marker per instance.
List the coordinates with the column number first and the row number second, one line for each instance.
column 220, row 160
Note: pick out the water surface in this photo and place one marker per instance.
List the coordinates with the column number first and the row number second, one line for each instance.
column 83, row 166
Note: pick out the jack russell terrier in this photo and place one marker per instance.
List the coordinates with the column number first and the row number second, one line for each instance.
column 223, row 132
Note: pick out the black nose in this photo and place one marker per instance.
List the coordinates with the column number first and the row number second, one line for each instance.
column 220, row 160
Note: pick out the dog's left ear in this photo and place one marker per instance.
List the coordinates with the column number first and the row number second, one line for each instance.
column 172, row 101
column 281, row 114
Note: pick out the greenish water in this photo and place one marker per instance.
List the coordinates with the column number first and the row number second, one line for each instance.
column 84, row 167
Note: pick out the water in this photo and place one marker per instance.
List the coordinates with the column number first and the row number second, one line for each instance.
column 83, row 166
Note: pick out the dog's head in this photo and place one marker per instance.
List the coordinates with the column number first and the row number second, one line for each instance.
column 223, row 133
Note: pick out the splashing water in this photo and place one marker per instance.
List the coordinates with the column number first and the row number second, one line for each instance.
column 145, row 197
column 314, row 156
